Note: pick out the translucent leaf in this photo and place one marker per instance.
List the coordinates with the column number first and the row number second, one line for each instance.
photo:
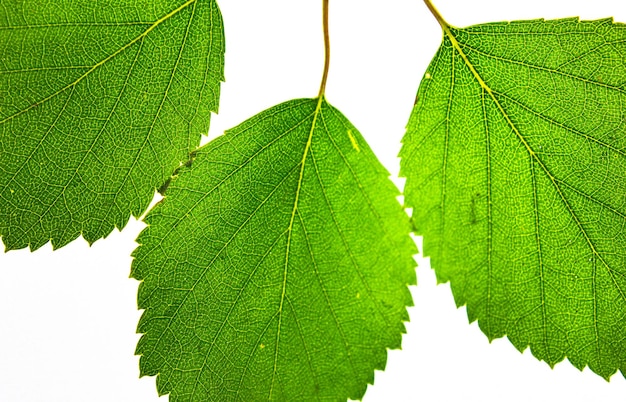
column 276, row 267
column 515, row 158
column 99, row 102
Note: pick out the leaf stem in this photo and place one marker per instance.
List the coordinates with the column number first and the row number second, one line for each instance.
column 326, row 48
column 444, row 25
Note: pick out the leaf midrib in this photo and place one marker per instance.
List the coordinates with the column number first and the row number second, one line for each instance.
column 318, row 109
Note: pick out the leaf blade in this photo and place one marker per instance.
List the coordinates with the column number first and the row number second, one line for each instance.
column 533, row 249
column 91, row 127
column 285, row 258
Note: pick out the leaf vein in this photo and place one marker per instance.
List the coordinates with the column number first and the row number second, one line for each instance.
column 102, row 62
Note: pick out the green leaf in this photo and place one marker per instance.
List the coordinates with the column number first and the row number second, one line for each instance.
column 515, row 158
column 276, row 267
column 99, row 102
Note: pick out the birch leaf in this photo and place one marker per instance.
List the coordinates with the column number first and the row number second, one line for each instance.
column 99, row 102
column 515, row 158
column 276, row 267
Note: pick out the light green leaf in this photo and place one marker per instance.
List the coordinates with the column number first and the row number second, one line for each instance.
column 515, row 158
column 276, row 267
column 99, row 102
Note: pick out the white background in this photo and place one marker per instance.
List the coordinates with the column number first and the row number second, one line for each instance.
column 67, row 319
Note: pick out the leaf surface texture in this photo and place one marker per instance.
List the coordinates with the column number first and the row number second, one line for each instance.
column 277, row 265
column 99, row 102
column 515, row 158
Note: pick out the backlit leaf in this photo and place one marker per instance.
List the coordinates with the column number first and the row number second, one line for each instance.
column 515, row 158
column 277, row 265
column 99, row 102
